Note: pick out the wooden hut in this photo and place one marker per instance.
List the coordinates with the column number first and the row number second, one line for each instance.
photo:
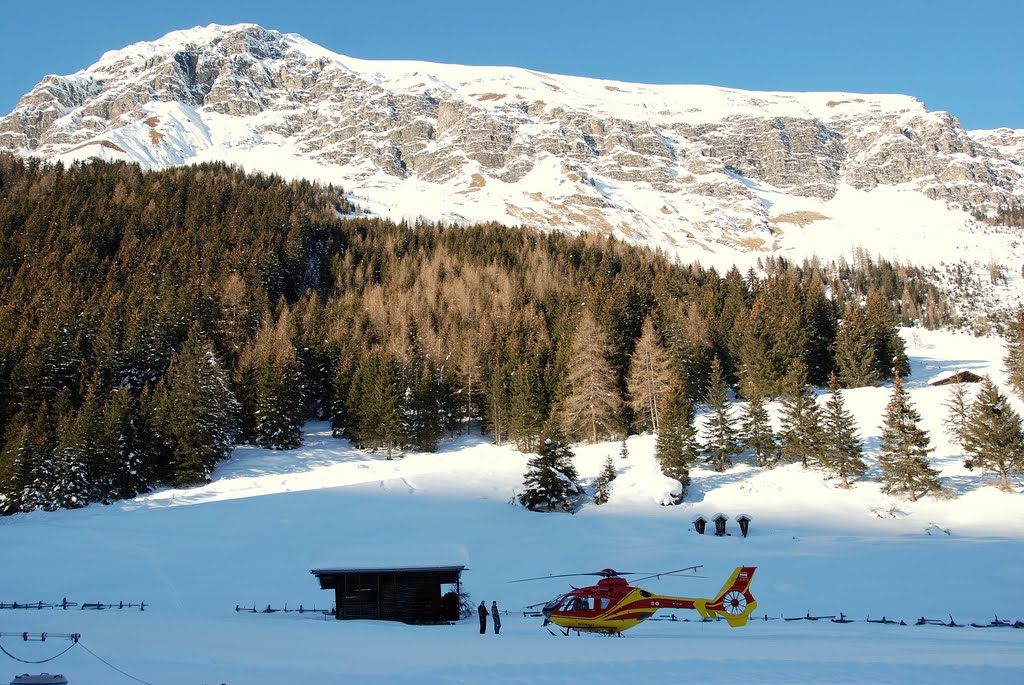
column 410, row 594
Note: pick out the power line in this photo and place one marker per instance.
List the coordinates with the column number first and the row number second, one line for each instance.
column 104, row 661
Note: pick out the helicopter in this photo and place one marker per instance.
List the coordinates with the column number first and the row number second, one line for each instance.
column 613, row 605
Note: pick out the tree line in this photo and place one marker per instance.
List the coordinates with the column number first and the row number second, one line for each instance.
column 822, row 436
column 149, row 321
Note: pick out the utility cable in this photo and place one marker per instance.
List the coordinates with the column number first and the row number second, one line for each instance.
column 41, row 661
column 104, row 661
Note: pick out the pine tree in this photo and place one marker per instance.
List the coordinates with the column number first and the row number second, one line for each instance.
column 958, row 407
column 821, row 318
column 26, row 455
column 855, row 351
column 758, row 375
column 650, row 379
column 498, row 403
column 676, row 447
column 71, row 485
column 905, row 447
column 525, row 409
column 374, row 404
column 993, row 440
column 800, row 433
column 470, row 380
column 422, row 411
column 602, row 486
column 122, row 427
column 233, row 324
column 194, row 411
column 79, row 474
column 592, row 407
column 275, row 402
column 13, row 454
column 756, row 433
column 38, row 466
column 890, row 350
column 840, row 452
column 689, row 339
column 624, row 451
column 340, row 388
column 551, row 479
column 721, row 440
column 1014, row 360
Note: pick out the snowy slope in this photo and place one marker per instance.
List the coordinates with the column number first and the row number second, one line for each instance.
column 251, row 536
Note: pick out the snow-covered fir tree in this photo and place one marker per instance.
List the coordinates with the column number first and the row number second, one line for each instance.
column 123, row 434
column 270, row 383
column 70, row 487
column 26, row 462
column 194, row 412
column 551, row 479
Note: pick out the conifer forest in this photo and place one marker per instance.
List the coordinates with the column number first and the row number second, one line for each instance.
column 150, row 321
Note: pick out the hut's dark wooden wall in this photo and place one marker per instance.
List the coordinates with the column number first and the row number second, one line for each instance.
column 407, row 595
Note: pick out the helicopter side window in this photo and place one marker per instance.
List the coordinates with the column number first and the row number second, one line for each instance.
column 604, row 602
column 585, row 604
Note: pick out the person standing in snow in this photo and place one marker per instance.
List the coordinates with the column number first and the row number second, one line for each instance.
column 496, row 616
column 482, row 611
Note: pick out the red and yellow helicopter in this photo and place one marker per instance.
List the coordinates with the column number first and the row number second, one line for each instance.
column 613, row 605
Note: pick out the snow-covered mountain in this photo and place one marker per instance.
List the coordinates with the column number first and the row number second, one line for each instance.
column 712, row 173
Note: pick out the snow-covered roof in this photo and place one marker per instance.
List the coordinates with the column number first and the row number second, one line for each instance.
column 387, row 557
column 955, row 376
column 387, row 569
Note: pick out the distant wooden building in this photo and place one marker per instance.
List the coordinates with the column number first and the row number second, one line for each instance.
column 959, row 376
column 407, row 594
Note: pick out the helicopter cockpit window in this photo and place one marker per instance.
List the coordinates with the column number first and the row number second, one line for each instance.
column 585, row 604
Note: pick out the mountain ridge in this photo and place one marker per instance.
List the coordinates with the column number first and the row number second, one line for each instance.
column 719, row 174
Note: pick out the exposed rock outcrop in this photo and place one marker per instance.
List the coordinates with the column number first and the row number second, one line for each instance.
column 588, row 148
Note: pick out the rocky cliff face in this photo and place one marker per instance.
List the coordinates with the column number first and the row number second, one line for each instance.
column 674, row 165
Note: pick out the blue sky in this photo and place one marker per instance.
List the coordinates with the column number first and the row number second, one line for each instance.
column 965, row 58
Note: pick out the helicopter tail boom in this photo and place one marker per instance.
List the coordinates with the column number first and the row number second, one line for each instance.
column 734, row 602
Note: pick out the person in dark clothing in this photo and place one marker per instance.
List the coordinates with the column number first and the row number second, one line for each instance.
column 482, row 610
column 496, row 616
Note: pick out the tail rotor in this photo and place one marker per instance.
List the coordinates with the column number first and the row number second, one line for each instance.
column 734, row 602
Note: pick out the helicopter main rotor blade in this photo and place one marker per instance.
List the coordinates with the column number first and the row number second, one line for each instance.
column 607, row 573
column 696, row 568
